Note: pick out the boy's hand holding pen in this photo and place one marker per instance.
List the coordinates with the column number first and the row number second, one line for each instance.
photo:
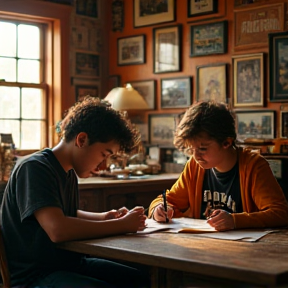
column 162, row 212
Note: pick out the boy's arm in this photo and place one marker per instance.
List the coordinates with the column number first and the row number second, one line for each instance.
column 61, row 228
column 112, row 214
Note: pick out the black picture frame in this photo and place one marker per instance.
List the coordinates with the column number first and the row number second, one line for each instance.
column 88, row 8
column 131, row 50
column 117, row 15
column 255, row 124
column 201, row 7
column 248, row 74
column 208, row 39
column 176, row 92
column 283, row 124
column 87, row 65
column 155, row 12
column 278, row 66
column 167, row 58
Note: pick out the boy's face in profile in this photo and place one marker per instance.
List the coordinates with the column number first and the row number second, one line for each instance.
column 87, row 158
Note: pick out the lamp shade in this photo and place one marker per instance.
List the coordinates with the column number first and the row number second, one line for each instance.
column 126, row 98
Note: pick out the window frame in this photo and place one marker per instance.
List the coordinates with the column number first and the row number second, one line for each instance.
column 57, row 73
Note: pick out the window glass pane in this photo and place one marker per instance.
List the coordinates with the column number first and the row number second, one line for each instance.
column 32, row 103
column 31, row 134
column 11, row 126
column 8, row 32
column 9, row 102
column 28, row 41
column 29, row 71
column 8, row 69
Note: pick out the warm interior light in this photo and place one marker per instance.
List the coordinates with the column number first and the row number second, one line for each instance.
column 126, row 98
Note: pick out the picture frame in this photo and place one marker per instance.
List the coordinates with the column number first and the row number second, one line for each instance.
column 86, row 87
column 278, row 66
column 131, row 50
column 208, row 39
column 283, row 124
column 255, row 124
column 248, row 74
column 117, row 15
column 114, row 81
column 83, row 90
column 147, row 89
column 211, row 82
column 87, row 65
column 161, row 129
column 201, row 7
column 88, row 8
column 176, row 92
column 276, row 167
column 167, row 49
column 148, row 13
column 253, row 24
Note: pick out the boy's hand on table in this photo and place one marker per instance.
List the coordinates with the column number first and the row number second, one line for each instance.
column 221, row 220
column 136, row 218
column 113, row 214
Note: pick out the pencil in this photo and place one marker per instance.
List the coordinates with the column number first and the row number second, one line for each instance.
column 165, row 204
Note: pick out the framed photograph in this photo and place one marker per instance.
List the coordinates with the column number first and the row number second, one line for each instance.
column 278, row 66
column 114, row 81
column 161, row 129
column 211, row 82
column 153, row 12
column 131, row 50
column 88, row 8
column 167, row 49
column 248, row 80
column 201, row 7
column 283, row 124
column 255, row 124
column 87, row 65
column 117, row 15
column 86, row 87
column 83, row 90
column 147, row 89
column 176, row 92
column 208, row 39
column 253, row 24
column 276, row 167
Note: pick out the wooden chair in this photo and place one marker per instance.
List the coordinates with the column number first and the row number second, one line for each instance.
column 3, row 264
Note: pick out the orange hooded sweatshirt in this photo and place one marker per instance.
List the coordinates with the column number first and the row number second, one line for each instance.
column 263, row 201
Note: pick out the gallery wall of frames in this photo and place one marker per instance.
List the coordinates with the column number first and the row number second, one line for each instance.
column 177, row 52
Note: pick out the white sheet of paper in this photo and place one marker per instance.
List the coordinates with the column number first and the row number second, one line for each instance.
column 178, row 224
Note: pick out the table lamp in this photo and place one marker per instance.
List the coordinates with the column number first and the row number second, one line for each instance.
column 126, row 98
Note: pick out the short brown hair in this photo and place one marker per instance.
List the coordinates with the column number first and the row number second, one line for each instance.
column 214, row 118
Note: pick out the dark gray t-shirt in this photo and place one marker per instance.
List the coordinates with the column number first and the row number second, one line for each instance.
column 36, row 182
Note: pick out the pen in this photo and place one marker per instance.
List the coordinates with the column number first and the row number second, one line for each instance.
column 165, row 204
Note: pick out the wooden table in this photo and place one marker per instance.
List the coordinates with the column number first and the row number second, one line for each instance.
column 182, row 257
column 102, row 194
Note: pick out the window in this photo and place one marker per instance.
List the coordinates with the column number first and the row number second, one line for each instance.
column 23, row 95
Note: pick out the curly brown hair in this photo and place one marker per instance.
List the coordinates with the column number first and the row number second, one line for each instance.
column 214, row 118
column 101, row 123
